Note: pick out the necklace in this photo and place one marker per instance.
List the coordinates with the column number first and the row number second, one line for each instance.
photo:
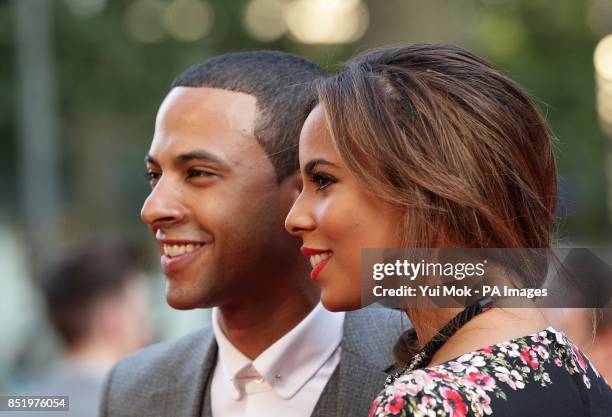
column 424, row 356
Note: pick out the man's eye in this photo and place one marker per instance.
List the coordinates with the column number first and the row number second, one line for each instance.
column 152, row 177
column 194, row 173
column 322, row 180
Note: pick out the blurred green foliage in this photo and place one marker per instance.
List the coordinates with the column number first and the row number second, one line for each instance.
column 110, row 86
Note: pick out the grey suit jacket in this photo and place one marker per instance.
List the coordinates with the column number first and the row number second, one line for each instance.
column 172, row 379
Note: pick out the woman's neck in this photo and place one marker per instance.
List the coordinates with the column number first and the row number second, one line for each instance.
column 491, row 327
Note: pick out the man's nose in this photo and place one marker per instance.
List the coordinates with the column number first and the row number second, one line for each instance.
column 162, row 206
column 299, row 220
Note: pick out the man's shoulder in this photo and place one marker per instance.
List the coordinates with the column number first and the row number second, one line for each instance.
column 377, row 314
column 383, row 321
column 163, row 360
column 138, row 381
column 371, row 333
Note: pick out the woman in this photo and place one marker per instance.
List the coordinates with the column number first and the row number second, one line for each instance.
column 427, row 146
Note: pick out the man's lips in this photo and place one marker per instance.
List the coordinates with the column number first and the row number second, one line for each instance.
column 178, row 254
column 177, row 247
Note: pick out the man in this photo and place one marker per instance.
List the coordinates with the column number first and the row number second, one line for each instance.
column 222, row 168
column 96, row 302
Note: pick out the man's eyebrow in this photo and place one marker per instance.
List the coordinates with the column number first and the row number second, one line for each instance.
column 150, row 160
column 198, row 154
column 310, row 165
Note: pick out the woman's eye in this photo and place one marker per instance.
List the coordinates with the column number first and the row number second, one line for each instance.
column 322, row 180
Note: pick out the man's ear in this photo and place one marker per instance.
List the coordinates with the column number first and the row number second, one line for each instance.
column 290, row 188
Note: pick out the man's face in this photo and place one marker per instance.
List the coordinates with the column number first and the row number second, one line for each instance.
column 215, row 208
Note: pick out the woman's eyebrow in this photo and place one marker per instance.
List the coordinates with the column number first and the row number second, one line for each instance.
column 310, row 165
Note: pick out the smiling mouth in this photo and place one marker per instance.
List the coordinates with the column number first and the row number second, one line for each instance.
column 318, row 258
column 178, row 250
column 318, row 262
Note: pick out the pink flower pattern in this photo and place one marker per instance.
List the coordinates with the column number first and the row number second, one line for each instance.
column 473, row 379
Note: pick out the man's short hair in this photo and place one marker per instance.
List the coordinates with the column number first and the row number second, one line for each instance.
column 283, row 86
column 75, row 280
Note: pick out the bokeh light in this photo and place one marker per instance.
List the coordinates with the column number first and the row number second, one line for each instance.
column 603, row 73
column 143, row 20
column 603, row 59
column 327, row 21
column 189, row 20
column 264, row 20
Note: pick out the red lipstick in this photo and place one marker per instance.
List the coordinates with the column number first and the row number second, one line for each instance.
column 317, row 269
column 310, row 251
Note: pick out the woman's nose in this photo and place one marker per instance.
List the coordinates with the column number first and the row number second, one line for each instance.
column 299, row 220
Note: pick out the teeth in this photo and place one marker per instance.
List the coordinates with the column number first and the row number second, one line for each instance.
column 318, row 258
column 178, row 250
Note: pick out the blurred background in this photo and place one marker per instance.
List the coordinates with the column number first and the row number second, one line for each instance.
column 81, row 81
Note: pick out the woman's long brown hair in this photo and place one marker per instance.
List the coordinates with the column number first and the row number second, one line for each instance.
column 439, row 132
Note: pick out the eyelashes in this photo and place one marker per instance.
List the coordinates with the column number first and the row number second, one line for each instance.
column 194, row 173
column 322, row 180
column 152, row 177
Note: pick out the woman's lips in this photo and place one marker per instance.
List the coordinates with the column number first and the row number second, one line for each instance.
column 174, row 264
column 311, row 251
column 319, row 258
column 318, row 268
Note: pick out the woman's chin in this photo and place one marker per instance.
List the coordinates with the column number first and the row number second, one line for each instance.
column 335, row 303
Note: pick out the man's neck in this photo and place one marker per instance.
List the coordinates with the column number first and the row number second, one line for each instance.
column 255, row 325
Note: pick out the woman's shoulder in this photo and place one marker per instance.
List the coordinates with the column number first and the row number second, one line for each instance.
column 477, row 382
column 424, row 392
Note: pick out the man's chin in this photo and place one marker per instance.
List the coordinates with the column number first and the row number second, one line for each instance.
column 180, row 304
column 181, row 299
column 188, row 298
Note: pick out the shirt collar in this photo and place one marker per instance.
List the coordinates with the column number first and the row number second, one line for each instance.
column 292, row 360
column 231, row 360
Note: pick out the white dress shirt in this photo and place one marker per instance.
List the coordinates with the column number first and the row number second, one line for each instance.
column 284, row 380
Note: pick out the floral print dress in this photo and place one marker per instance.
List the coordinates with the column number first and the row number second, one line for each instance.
column 541, row 375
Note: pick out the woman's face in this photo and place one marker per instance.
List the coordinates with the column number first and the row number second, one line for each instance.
column 336, row 218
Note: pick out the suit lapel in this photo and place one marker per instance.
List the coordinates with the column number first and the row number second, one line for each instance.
column 366, row 357
column 350, row 390
column 358, row 385
column 328, row 402
column 183, row 396
column 207, row 404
